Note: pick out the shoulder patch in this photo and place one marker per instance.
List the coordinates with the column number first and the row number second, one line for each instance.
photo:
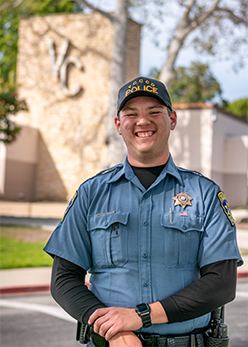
column 69, row 205
column 225, row 206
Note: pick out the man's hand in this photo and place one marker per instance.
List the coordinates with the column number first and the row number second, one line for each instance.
column 125, row 339
column 112, row 320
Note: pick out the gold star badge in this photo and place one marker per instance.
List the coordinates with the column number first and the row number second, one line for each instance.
column 182, row 199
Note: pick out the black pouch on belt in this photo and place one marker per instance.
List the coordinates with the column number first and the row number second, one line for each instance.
column 216, row 335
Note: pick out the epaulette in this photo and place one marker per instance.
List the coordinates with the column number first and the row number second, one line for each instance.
column 103, row 172
column 108, row 170
column 196, row 173
column 191, row 171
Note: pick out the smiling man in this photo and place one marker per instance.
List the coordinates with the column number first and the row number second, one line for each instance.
column 156, row 238
column 145, row 124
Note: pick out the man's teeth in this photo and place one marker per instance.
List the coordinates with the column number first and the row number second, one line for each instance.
column 144, row 134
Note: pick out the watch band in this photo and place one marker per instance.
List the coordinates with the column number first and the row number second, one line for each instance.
column 143, row 310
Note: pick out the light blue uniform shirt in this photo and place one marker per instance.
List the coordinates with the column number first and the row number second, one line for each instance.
column 140, row 245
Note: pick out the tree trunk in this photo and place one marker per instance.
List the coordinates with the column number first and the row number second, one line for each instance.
column 185, row 26
column 167, row 73
column 115, row 147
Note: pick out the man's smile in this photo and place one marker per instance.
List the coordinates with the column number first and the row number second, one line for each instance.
column 144, row 133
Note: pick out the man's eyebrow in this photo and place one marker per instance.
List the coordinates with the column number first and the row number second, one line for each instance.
column 128, row 108
column 155, row 106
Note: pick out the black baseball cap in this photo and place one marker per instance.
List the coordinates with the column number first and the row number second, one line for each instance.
column 143, row 86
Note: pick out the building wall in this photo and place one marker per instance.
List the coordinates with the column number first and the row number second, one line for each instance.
column 56, row 55
column 230, row 157
column 19, row 166
column 214, row 143
column 224, row 129
column 191, row 141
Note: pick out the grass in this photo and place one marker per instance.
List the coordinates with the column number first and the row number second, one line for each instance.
column 23, row 247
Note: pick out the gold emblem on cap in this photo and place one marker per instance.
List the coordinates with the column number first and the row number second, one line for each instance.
column 182, row 199
column 141, row 81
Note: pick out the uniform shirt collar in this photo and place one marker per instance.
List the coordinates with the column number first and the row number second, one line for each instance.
column 127, row 171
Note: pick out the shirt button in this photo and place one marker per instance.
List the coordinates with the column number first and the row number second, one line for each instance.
column 145, row 284
column 105, row 224
column 184, row 227
column 145, row 224
column 144, row 255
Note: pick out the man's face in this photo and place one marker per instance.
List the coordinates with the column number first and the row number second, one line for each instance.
column 145, row 125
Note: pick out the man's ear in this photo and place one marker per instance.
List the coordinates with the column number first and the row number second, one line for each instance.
column 173, row 119
column 118, row 125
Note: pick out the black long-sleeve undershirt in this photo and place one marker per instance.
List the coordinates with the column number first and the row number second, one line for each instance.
column 216, row 287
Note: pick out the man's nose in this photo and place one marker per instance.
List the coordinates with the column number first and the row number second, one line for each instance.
column 143, row 119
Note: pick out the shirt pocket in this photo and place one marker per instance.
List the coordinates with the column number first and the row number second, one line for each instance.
column 181, row 239
column 108, row 233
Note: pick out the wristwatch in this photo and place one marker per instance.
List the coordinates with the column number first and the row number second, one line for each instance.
column 143, row 311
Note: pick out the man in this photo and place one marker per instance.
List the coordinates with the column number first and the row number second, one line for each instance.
column 158, row 240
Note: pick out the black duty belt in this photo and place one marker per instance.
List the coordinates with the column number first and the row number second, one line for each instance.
column 153, row 340
column 174, row 341
column 86, row 333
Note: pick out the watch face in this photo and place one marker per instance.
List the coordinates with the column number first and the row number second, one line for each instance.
column 143, row 310
column 142, row 307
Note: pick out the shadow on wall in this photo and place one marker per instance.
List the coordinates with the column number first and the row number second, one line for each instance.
column 48, row 183
column 19, row 181
column 29, row 170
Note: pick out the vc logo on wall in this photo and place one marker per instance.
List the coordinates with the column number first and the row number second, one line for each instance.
column 60, row 64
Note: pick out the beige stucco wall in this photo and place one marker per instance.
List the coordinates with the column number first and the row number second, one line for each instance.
column 72, row 128
column 214, row 143
column 230, row 157
column 191, row 141
column 225, row 127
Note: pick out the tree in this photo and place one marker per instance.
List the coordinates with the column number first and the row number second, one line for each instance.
column 10, row 105
column 119, row 20
column 205, row 22
column 210, row 20
column 214, row 23
column 11, row 13
column 238, row 107
column 194, row 84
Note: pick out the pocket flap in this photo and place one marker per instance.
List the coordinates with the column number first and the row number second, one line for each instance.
column 183, row 223
column 103, row 221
